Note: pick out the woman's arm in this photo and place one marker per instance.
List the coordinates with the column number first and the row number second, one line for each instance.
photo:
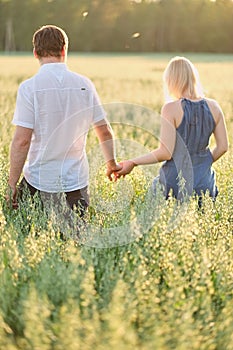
column 220, row 135
column 166, row 146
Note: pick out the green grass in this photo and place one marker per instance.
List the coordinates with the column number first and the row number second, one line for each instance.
column 170, row 286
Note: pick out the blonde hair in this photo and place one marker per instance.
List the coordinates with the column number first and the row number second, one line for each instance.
column 180, row 76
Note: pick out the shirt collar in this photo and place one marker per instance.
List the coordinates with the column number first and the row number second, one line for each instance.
column 53, row 66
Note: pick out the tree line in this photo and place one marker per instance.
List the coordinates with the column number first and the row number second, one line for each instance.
column 122, row 25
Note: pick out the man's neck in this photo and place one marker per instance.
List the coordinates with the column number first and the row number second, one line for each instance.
column 51, row 59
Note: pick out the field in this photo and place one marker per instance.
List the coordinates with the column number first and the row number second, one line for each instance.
column 149, row 274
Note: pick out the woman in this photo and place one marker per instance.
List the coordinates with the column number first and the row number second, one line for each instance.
column 186, row 126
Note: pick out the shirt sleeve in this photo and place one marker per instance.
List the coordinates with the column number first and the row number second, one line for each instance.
column 98, row 110
column 24, row 114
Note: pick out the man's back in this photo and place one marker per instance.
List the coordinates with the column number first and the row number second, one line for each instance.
column 60, row 106
column 54, row 111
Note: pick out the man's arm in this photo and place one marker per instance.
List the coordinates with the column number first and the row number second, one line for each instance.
column 18, row 155
column 106, row 139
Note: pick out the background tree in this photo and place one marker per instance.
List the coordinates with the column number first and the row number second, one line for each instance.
column 122, row 25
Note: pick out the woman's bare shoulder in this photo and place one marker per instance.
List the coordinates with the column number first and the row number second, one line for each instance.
column 173, row 111
column 212, row 102
column 171, row 106
column 214, row 108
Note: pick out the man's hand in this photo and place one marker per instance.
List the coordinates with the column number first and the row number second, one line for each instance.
column 11, row 196
column 112, row 169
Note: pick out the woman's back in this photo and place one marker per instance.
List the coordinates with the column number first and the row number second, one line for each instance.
column 186, row 126
column 195, row 126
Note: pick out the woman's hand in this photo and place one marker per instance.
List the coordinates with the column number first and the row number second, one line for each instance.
column 127, row 167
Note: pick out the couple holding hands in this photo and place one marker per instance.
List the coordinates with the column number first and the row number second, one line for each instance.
column 56, row 107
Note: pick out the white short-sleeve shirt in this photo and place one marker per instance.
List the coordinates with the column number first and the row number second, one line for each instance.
column 60, row 106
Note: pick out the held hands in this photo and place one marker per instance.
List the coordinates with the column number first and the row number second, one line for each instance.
column 124, row 168
column 112, row 168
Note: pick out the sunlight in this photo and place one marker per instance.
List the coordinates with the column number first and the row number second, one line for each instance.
column 136, row 35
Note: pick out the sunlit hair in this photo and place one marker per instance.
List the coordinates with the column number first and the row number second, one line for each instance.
column 180, row 76
column 49, row 40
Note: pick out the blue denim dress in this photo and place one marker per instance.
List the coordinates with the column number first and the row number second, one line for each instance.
column 191, row 158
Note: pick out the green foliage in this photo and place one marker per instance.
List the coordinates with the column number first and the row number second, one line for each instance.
column 121, row 25
column 170, row 287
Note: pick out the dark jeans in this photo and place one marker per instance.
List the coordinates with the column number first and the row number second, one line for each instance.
column 76, row 202
column 78, row 199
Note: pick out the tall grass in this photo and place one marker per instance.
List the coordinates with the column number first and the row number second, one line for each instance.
column 169, row 287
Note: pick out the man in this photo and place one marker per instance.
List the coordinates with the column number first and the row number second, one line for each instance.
column 54, row 111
